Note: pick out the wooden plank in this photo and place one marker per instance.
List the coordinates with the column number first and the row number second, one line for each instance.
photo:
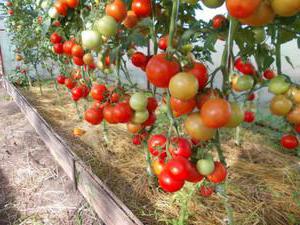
column 109, row 208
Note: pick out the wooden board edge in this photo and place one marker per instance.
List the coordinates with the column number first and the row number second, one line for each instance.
column 109, row 208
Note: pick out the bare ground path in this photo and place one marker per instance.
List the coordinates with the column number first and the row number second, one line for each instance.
column 33, row 189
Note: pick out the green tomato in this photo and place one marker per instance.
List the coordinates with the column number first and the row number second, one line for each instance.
column 205, row 166
column 213, row 3
column 163, row 108
column 278, row 85
column 90, row 39
column 192, row 2
column 245, row 82
column 187, row 48
column 259, row 34
column 140, row 117
column 138, row 102
column 107, row 26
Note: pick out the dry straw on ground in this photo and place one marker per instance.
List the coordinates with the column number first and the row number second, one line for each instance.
column 264, row 183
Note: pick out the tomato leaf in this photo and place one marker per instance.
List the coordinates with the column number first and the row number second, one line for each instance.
column 289, row 61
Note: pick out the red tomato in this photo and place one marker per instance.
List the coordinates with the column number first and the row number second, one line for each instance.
column 93, row 116
column 200, row 72
column 182, row 107
column 115, row 97
column 152, row 104
column 178, row 168
column 163, row 43
column 85, row 90
column 78, row 61
column 123, row 112
column 249, row 116
column 289, row 141
column 109, row 114
column 72, row 3
column 117, row 10
column 168, row 183
column 131, row 19
column 98, row 91
column 216, row 113
column 8, row 4
column 242, row 8
column 269, row 74
column 55, row 38
column 150, row 121
column 206, row 191
column 142, row 8
column 251, row 97
column 58, row 48
column 70, row 83
column 297, row 128
column 136, row 139
column 61, row 8
column 56, row 23
column 77, row 93
column 10, row 12
column 68, row 45
column 194, row 175
column 180, row 147
column 77, row 51
column 61, row 79
column 219, row 174
column 139, row 59
column 157, row 144
column 244, row 67
column 160, row 69
column 219, row 21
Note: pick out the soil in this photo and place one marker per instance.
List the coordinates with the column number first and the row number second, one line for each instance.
column 263, row 181
column 33, row 189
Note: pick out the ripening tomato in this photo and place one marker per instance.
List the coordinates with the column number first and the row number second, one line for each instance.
column 183, row 86
column 206, row 191
column 77, row 51
column 8, row 4
column 136, row 140
column 117, row 9
column 160, row 69
column 244, row 83
column 285, row 8
column 134, row 128
column 242, row 8
column 294, row 116
column 72, row 3
column 249, row 116
column 157, row 144
column 109, row 115
column 216, row 113
column 61, row 79
column 152, row 104
column 289, row 141
column 195, row 127
column 151, row 120
column 122, row 112
column 219, row 174
column 139, row 59
column 205, row 96
column 98, row 91
column 178, row 168
column 68, row 45
column 180, row 147
column 78, row 61
column 263, row 15
column 163, row 42
column 168, row 183
column 182, row 107
column 219, row 22
column 70, row 83
column 280, row 105
column 157, row 167
column 58, row 48
column 88, row 59
column 142, row 8
column 200, row 72
column 194, row 175
column 237, row 116
column 61, row 8
column 269, row 74
column 55, row 38
column 93, row 116
column 131, row 20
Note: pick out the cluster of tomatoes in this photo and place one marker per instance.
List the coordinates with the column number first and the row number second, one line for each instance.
column 61, row 6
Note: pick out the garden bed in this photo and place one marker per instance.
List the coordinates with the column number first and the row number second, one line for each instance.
column 263, row 183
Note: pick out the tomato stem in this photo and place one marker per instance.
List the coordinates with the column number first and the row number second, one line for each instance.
column 278, row 52
column 172, row 28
